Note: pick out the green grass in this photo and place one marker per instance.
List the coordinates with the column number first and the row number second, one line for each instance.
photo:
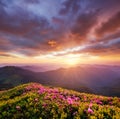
column 34, row 101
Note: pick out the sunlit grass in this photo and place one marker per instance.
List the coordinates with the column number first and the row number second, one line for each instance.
column 34, row 101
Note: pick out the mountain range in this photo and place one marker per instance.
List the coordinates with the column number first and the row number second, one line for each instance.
column 96, row 79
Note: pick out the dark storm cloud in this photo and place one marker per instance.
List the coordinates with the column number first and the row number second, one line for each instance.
column 70, row 6
column 57, row 21
column 109, row 26
column 21, row 22
column 23, row 31
column 32, row 1
column 84, row 23
column 33, row 27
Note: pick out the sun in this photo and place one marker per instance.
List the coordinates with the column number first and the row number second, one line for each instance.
column 71, row 62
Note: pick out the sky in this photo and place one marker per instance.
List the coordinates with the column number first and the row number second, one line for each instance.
column 66, row 32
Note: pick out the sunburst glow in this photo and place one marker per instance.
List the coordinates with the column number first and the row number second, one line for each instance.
column 71, row 62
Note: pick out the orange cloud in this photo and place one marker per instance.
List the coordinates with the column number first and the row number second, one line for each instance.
column 52, row 43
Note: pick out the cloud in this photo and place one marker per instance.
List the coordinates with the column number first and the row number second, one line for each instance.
column 99, row 49
column 84, row 23
column 103, row 48
column 110, row 26
column 21, row 22
column 57, row 21
column 70, row 6
column 4, row 55
column 37, row 27
column 24, row 31
column 32, row 1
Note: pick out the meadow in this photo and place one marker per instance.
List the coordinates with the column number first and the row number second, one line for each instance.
column 35, row 101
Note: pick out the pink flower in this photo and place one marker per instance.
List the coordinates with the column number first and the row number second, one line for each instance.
column 56, row 91
column 53, row 97
column 76, row 98
column 90, row 111
column 70, row 101
column 41, row 90
column 110, row 103
column 61, row 97
column 90, row 105
column 109, row 99
column 18, row 107
column 85, row 98
column 75, row 113
column 44, row 105
column 28, row 88
column 99, row 101
column 36, row 99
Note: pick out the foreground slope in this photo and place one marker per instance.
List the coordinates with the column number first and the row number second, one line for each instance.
column 34, row 101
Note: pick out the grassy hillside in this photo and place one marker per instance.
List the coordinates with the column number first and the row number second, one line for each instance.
column 34, row 101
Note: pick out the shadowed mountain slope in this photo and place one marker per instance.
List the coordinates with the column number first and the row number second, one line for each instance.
column 102, row 80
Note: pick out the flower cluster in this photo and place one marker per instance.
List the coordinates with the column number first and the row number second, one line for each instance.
column 37, row 101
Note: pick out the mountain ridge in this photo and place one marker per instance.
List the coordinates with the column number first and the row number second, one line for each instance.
column 91, row 80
